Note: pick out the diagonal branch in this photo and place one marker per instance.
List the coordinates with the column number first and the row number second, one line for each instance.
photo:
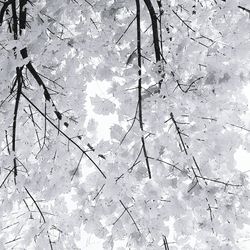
column 126, row 209
column 38, row 208
column 154, row 29
column 178, row 132
column 66, row 136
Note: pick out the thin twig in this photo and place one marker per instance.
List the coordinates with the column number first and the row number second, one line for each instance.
column 126, row 209
column 66, row 136
column 38, row 208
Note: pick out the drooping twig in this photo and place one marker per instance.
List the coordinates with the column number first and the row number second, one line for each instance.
column 138, row 19
column 76, row 169
column 99, row 192
column 131, row 126
column 158, row 52
column 14, row 19
column 154, row 29
column 3, row 10
column 66, row 136
column 38, row 208
column 184, row 22
column 219, row 182
column 178, row 132
column 167, row 163
column 244, row 9
column 124, row 32
column 22, row 15
column 126, row 209
column 165, row 242
column 6, row 177
column 19, row 90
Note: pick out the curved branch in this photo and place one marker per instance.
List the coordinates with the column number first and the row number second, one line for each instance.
column 154, row 29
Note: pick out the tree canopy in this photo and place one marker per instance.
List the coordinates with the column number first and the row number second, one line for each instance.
column 171, row 75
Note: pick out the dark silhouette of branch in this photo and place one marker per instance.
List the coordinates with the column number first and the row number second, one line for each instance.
column 22, row 15
column 19, row 90
column 33, row 72
column 124, row 32
column 34, row 124
column 154, row 29
column 14, row 19
column 184, row 22
column 76, row 169
column 138, row 19
column 60, row 131
column 126, row 209
column 178, row 132
column 219, row 182
column 156, row 42
column 3, row 9
column 38, row 208
column 167, row 163
column 6, row 177
column 99, row 192
column 245, row 9
column 165, row 242
column 131, row 126
column 7, row 141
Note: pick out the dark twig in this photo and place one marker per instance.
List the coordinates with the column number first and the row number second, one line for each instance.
column 19, row 90
column 77, row 167
column 83, row 151
column 126, row 209
column 38, row 208
column 138, row 19
column 184, row 22
column 154, row 29
column 243, row 8
column 178, row 132
column 165, row 242
column 99, row 192
column 124, row 32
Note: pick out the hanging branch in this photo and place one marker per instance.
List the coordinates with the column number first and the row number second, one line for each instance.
column 126, row 209
column 184, row 22
column 33, row 72
column 158, row 52
column 154, row 29
column 14, row 19
column 165, row 242
column 77, row 167
column 22, row 15
column 38, row 208
column 19, row 90
column 178, row 132
column 131, row 126
column 61, row 132
column 124, row 32
column 160, row 24
column 138, row 19
column 3, row 10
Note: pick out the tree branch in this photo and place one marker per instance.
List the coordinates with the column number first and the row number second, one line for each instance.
column 138, row 18
column 59, row 130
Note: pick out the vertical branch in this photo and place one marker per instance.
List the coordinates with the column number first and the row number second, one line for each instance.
column 155, row 29
column 22, row 15
column 19, row 91
column 138, row 19
column 14, row 17
column 160, row 26
column 158, row 52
